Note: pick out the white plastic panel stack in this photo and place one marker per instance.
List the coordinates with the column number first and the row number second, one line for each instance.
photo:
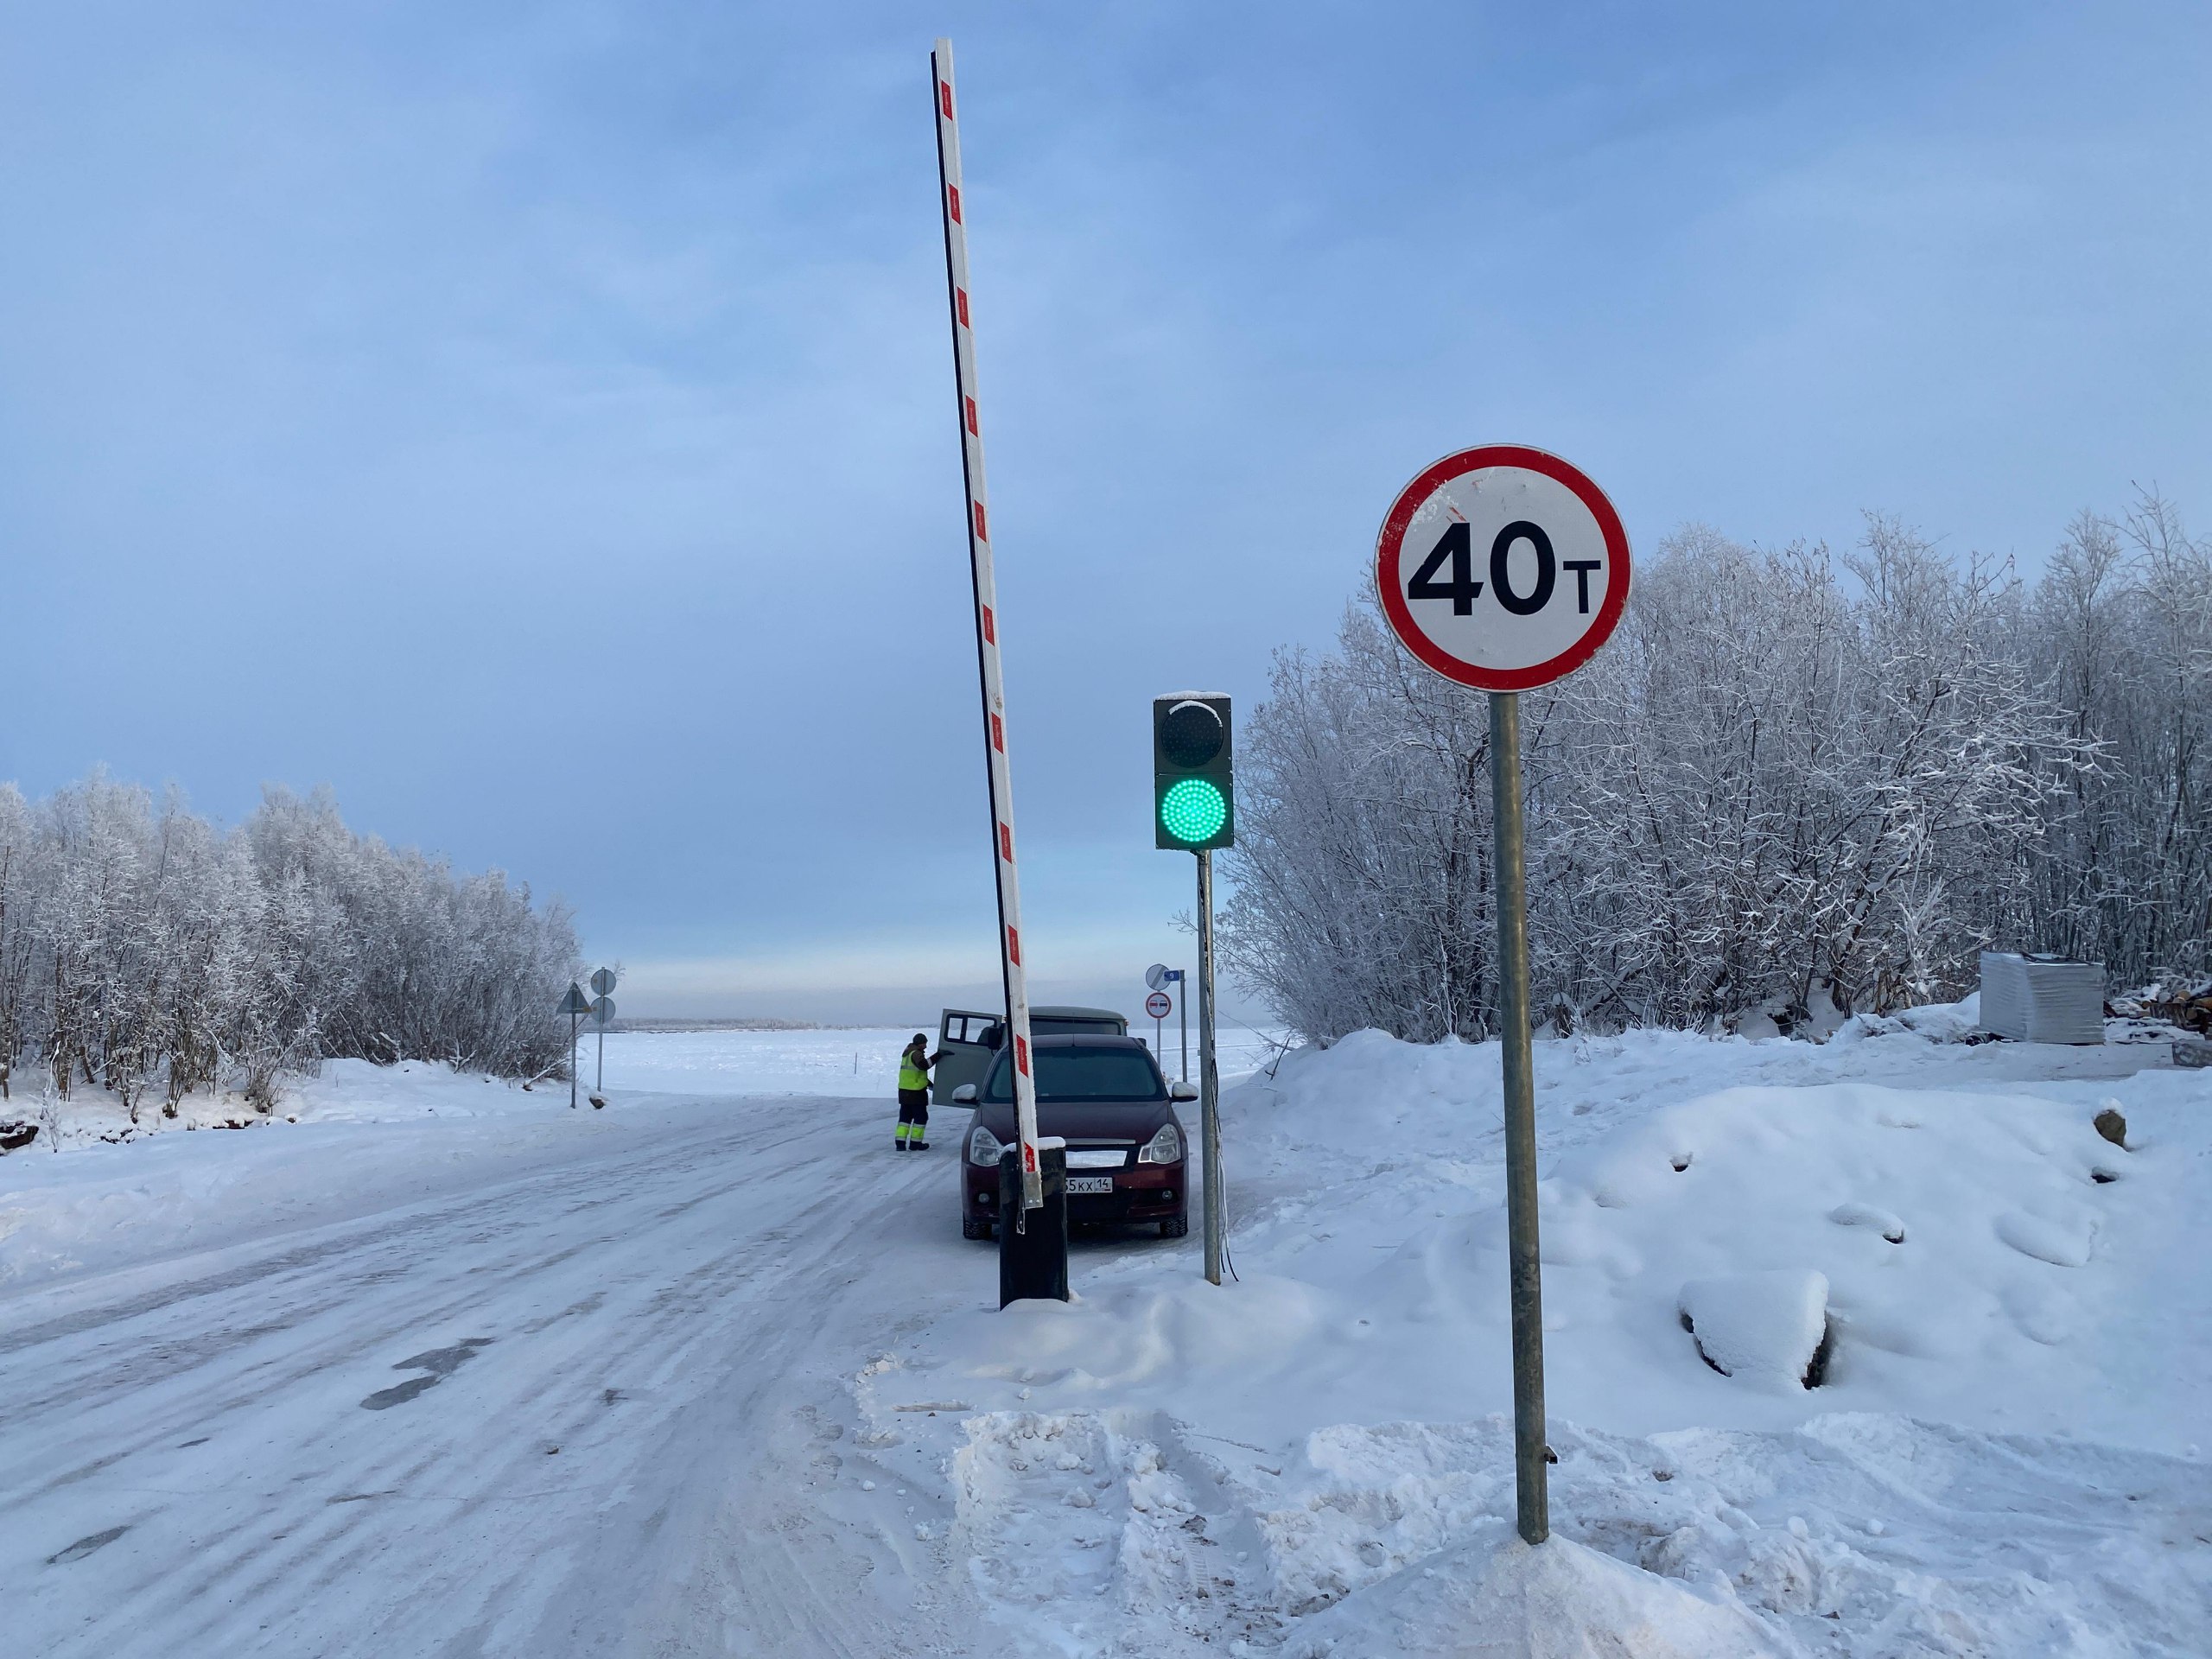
column 2042, row 998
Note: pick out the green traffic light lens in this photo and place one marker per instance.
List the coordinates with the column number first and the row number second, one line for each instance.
column 1193, row 810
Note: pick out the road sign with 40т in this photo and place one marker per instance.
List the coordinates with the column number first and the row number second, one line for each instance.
column 1501, row 568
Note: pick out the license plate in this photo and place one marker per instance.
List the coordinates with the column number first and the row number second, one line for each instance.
column 1077, row 1184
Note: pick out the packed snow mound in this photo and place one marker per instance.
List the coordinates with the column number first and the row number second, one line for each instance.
column 1493, row 1599
column 1766, row 1329
column 1121, row 1336
column 1941, row 1244
column 1128, row 1533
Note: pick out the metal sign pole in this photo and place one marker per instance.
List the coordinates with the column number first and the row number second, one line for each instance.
column 1208, row 1078
column 575, row 1006
column 1183, row 1019
column 602, row 1013
column 1525, row 1259
column 1540, row 520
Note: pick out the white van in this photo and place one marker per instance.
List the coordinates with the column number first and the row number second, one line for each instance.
column 970, row 1040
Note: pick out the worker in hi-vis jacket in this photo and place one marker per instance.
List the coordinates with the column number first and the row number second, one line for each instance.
column 914, row 1063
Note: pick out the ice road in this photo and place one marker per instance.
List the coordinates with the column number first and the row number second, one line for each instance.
column 583, row 1405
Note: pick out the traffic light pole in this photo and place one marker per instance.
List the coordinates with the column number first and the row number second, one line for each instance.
column 1209, row 1076
column 1524, row 1257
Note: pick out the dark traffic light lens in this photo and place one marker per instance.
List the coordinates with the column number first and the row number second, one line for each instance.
column 1191, row 735
column 1193, row 811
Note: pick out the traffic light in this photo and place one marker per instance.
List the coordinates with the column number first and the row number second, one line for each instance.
column 1193, row 791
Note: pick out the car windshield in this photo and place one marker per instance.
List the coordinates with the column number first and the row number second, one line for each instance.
column 1074, row 1073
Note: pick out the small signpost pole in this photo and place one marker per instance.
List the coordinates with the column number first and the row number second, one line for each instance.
column 602, row 1009
column 1504, row 569
column 1182, row 1019
column 1159, row 977
column 575, row 1005
column 1157, row 1005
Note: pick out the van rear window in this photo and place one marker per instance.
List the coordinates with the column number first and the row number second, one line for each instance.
column 1068, row 1074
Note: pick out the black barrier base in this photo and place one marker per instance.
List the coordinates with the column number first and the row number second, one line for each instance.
column 1033, row 1254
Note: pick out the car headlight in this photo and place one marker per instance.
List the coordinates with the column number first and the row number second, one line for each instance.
column 983, row 1148
column 1166, row 1147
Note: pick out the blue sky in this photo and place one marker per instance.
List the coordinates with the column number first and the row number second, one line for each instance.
column 535, row 422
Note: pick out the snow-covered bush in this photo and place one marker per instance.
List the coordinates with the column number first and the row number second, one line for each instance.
column 1790, row 779
column 142, row 948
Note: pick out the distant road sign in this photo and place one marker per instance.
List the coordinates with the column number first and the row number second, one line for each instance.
column 603, row 981
column 1501, row 568
column 575, row 1002
column 1158, row 1005
column 602, row 1009
column 1156, row 976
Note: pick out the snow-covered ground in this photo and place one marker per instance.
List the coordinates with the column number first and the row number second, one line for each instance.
column 442, row 1366
column 2004, row 1455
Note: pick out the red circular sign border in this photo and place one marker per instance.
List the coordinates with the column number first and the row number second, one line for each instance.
column 1163, row 997
column 1390, row 544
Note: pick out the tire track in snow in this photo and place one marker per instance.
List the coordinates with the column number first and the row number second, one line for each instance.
column 298, row 1521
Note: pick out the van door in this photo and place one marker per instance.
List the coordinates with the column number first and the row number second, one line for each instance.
column 969, row 1042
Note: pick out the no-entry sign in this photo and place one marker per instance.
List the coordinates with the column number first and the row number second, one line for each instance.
column 1502, row 566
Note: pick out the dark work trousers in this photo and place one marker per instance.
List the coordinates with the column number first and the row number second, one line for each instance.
column 914, row 1107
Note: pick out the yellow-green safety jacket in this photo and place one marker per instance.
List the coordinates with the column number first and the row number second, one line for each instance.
column 910, row 1075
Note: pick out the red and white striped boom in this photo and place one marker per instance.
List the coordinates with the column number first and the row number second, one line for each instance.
column 987, row 621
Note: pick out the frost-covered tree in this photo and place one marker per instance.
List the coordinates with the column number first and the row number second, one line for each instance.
column 142, row 949
column 2122, row 627
column 1790, row 778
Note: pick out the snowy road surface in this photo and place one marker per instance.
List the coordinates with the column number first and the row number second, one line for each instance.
column 581, row 1411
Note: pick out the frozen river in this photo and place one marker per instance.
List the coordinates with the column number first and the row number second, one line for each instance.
column 843, row 1062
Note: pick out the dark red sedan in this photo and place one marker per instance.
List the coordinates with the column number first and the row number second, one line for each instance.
column 1105, row 1097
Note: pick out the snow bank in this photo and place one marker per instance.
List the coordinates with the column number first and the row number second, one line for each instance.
column 1126, row 1532
column 1316, row 1456
column 1948, row 1255
column 1497, row 1598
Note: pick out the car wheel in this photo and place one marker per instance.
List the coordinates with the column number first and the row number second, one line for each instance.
column 972, row 1228
column 1175, row 1229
